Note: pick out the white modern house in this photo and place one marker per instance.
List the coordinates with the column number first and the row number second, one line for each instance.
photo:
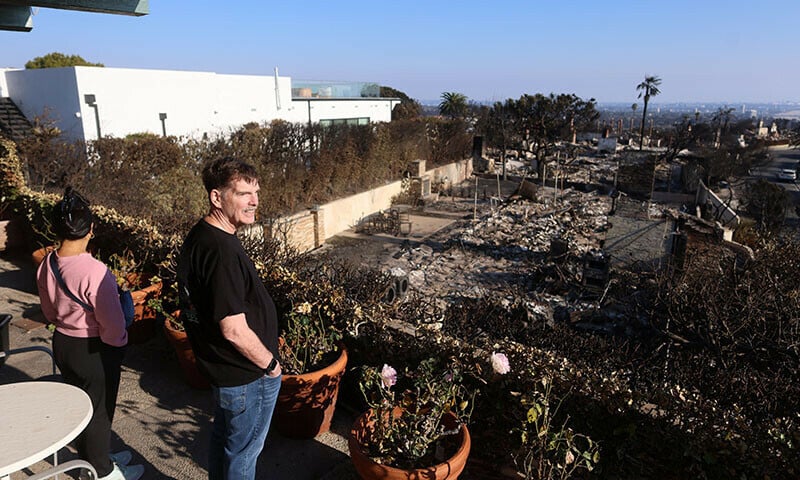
column 91, row 102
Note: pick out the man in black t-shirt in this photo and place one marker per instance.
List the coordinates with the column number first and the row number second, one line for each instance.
column 231, row 321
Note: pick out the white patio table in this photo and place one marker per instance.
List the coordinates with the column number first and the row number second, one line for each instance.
column 36, row 420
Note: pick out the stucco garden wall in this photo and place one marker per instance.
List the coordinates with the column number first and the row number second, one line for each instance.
column 309, row 229
column 716, row 208
column 451, row 174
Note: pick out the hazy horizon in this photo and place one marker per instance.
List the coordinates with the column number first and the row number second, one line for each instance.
column 705, row 52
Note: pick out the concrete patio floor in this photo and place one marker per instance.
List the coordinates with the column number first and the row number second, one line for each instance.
column 164, row 422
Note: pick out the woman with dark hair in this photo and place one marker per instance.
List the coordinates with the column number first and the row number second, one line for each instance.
column 79, row 295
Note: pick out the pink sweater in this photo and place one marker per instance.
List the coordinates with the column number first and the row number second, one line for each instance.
column 92, row 282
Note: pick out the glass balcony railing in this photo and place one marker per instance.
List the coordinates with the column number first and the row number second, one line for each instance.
column 322, row 89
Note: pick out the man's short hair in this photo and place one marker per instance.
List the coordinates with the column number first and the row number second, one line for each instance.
column 225, row 171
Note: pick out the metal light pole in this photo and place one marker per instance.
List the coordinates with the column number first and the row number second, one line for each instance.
column 92, row 102
column 162, row 117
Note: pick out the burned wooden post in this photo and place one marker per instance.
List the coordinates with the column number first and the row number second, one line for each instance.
column 559, row 248
column 596, row 266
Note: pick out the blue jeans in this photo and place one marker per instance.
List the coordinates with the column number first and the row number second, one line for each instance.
column 241, row 420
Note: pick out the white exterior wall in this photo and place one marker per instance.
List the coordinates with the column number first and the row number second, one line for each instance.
column 50, row 93
column 241, row 99
column 130, row 101
column 377, row 110
column 3, row 83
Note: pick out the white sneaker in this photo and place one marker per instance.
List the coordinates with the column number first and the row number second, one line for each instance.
column 125, row 472
column 123, row 457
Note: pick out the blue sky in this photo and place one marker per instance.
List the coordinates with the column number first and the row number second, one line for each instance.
column 703, row 50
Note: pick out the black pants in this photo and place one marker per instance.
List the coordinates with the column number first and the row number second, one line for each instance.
column 94, row 367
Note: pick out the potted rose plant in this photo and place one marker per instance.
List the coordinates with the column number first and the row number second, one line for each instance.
column 166, row 307
column 416, row 425
column 314, row 312
column 313, row 360
column 11, row 232
column 129, row 273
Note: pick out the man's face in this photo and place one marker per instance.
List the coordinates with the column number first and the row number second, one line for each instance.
column 238, row 202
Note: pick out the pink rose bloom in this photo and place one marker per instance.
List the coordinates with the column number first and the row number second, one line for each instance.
column 500, row 363
column 389, row 376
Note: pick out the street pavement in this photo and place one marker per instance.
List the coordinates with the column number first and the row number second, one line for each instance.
column 782, row 157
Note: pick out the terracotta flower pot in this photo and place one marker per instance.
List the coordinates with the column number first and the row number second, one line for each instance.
column 368, row 469
column 183, row 349
column 38, row 255
column 11, row 234
column 145, row 318
column 306, row 402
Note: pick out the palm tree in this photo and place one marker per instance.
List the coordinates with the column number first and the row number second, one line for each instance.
column 648, row 88
column 721, row 119
column 634, row 106
column 453, row 104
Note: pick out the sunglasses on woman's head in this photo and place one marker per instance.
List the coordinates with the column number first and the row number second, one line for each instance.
column 68, row 204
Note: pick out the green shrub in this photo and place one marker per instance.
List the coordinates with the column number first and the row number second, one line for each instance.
column 158, row 180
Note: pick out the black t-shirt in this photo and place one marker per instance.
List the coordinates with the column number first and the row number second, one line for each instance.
column 221, row 280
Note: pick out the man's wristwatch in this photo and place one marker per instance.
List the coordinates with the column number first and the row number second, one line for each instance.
column 271, row 366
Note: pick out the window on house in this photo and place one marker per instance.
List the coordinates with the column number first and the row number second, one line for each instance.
column 345, row 121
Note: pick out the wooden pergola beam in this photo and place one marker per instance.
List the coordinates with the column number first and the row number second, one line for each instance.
column 15, row 18
column 118, row 7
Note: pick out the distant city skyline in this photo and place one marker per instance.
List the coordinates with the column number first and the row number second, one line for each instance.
column 713, row 51
column 760, row 110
